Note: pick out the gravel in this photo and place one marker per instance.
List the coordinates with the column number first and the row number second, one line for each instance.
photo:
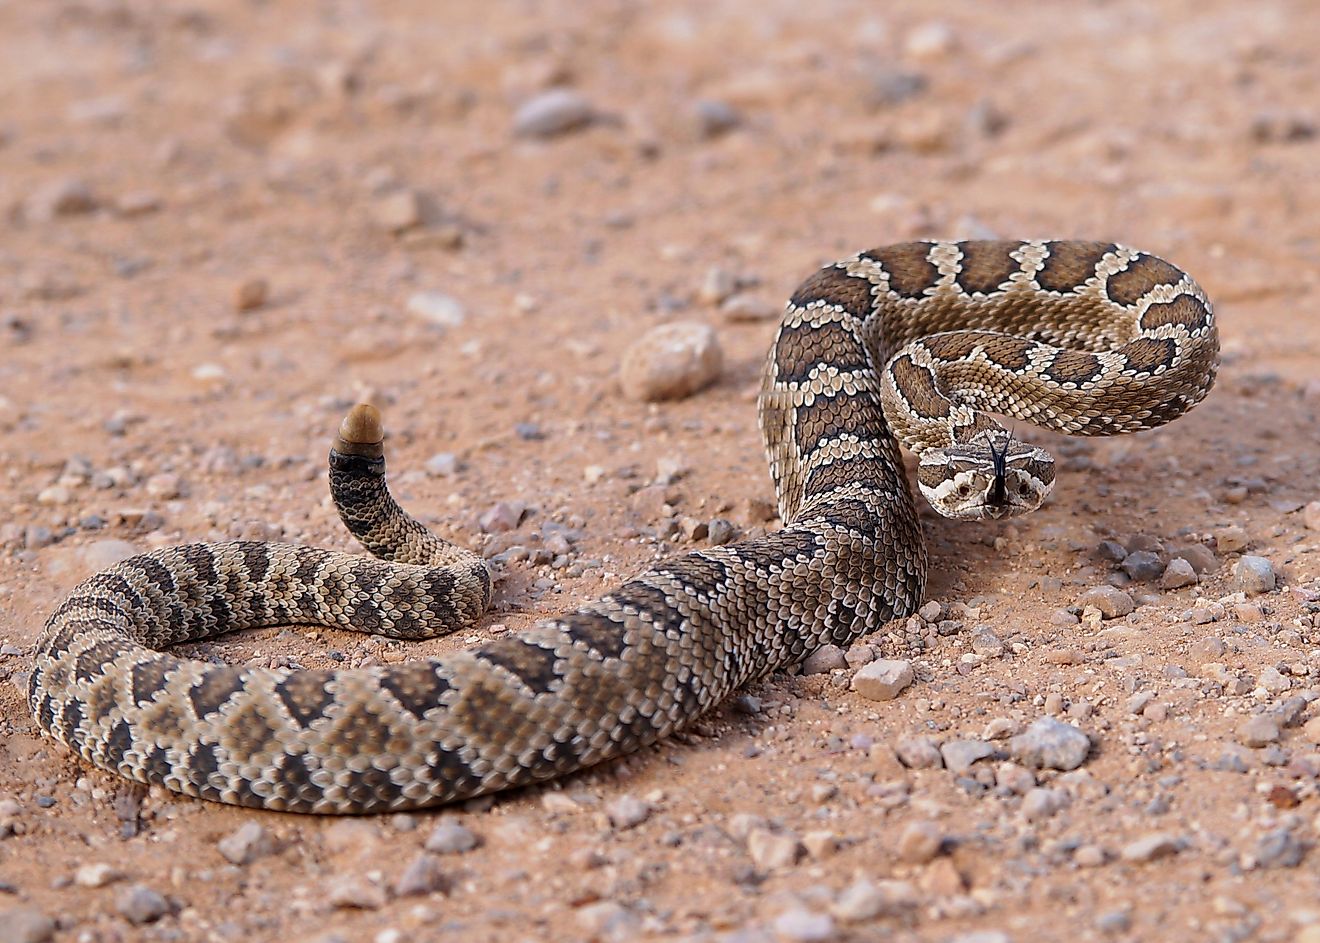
column 671, row 361
column 800, row 925
column 1111, row 601
column 26, row 925
column 1050, row 744
column 919, row 753
column 1178, row 574
column 825, row 659
column 451, row 838
column 139, row 904
column 883, row 679
column 1278, row 848
column 436, row 307
column 1040, row 803
column 773, row 851
column 97, row 874
column 959, row 755
column 424, row 875
column 1258, row 730
column 1152, row 847
column 627, row 812
column 1143, row 566
column 551, row 113
column 246, row 844
column 1254, row 575
column 919, row 842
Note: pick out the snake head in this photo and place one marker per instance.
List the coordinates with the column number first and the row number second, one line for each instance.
column 989, row 477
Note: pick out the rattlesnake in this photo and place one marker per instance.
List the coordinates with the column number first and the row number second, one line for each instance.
column 917, row 341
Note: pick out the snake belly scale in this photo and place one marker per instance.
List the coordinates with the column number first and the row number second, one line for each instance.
column 918, row 342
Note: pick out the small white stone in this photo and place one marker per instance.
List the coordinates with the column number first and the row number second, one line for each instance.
column 823, row 660
column 451, row 838
column 96, row 875
column 553, row 112
column 804, row 926
column 670, row 362
column 1151, row 847
column 246, row 844
column 1254, row 575
column 627, row 812
column 437, row 308
column 883, row 679
column 1039, row 804
column 919, row 842
column 771, row 851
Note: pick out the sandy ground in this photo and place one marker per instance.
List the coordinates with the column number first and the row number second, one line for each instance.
column 157, row 157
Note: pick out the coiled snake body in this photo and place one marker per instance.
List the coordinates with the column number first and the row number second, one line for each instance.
column 918, row 341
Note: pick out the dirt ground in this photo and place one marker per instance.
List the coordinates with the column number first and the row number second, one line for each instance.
column 425, row 248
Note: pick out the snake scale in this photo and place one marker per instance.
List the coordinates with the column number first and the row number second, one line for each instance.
column 919, row 342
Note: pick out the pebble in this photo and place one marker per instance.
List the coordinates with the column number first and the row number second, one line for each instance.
column 1151, row 847
column 551, row 113
column 437, row 308
column 451, row 838
column 502, row 517
column 1177, row 574
column 103, row 554
column 1232, row 538
column 355, row 892
column 26, row 925
column 1311, row 515
column 1114, row 921
column 1040, row 803
column 883, row 679
column 246, row 844
column 1015, row 778
column 713, row 117
column 1143, row 566
column 743, row 308
column 627, row 812
column 1279, row 848
column 98, row 874
column 1050, row 744
column 1201, row 557
column 865, row 900
column 1208, row 648
column 929, row 41
column 250, row 294
column 959, row 755
column 820, row 844
column 1112, row 602
column 1258, row 730
column 919, row 842
column 931, row 611
column 1311, row 730
column 424, row 875
column 771, row 851
column 442, row 465
column 397, row 211
column 671, row 361
column 608, row 920
column 139, row 904
column 1089, row 856
column 825, row 659
column 166, row 486
column 67, row 196
column 919, row 753
column 800, row 925
column 1273, row 680
column 1254, row 575
column 720, row 531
